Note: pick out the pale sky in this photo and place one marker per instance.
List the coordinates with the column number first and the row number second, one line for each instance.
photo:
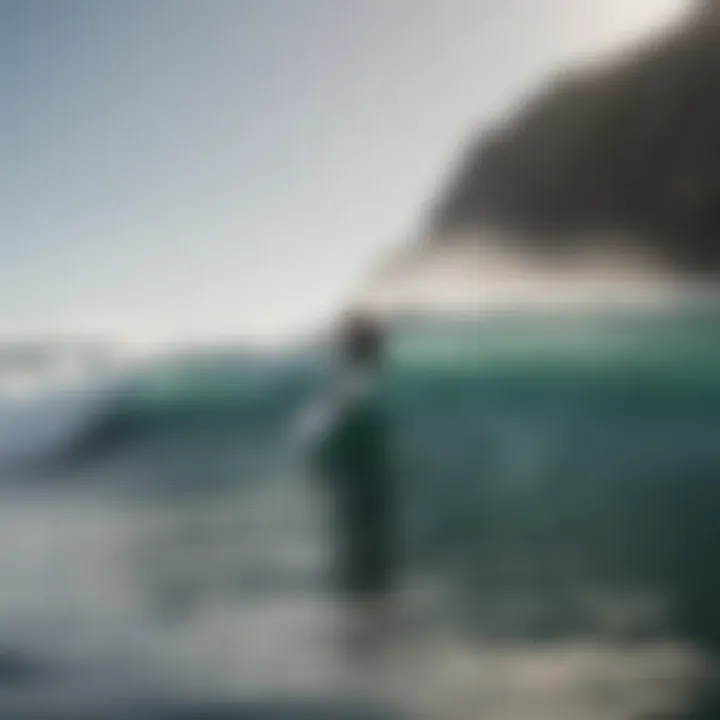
column 177, row 167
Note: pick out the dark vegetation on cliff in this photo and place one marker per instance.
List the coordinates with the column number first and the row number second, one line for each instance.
column 630, row 147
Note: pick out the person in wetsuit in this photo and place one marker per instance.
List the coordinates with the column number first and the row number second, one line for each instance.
column 351, row 454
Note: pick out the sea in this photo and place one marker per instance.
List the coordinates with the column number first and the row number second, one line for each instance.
column 165, row 553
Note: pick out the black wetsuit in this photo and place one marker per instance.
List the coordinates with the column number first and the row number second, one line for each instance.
column 352, row 454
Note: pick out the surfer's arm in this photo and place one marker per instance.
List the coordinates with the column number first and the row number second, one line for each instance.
column 315, row 435
column 322, row 429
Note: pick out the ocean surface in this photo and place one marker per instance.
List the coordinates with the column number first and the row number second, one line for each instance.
column 164, row 554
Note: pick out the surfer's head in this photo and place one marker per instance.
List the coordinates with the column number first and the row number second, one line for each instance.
column 361, row 340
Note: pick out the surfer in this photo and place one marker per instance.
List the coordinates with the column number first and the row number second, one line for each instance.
column 350, row 453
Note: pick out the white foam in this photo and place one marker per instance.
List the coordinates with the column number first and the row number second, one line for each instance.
column 495, row 272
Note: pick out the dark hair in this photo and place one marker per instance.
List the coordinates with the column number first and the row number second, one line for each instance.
column 361, row 339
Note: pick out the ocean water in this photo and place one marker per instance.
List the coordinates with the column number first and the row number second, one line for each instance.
column 163, row 551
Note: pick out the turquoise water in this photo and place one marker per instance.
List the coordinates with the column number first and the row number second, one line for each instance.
column 557, row 479
column 548, row 459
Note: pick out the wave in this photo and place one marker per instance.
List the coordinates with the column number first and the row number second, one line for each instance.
column 557, row 476
column 615, row 361
column 164, row 397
